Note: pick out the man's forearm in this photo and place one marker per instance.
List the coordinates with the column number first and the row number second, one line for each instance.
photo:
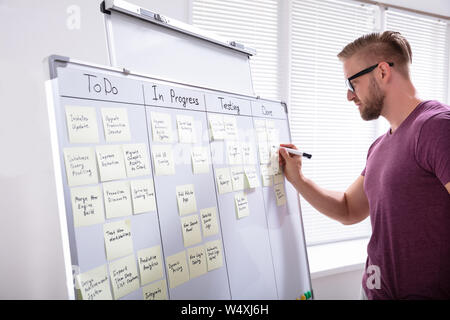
column 330, row 203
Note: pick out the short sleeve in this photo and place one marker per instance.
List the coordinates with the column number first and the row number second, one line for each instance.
column 433, row 146
column 363, row 173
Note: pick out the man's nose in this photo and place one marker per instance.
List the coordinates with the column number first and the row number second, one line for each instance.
column 350, row 95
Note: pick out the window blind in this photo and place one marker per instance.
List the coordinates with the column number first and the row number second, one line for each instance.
column 322, row 121
column 253, row 23
column 429, row 44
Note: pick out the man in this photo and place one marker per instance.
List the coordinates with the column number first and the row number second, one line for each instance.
column 405, row 185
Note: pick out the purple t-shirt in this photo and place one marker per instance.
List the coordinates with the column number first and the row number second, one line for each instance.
column 405, row 177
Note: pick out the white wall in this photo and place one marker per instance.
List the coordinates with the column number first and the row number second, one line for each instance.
column 30, row 252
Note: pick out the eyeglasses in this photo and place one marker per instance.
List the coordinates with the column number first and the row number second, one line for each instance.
column 359, row 74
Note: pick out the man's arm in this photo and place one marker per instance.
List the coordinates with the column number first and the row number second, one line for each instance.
column 447, row 186
column 347, row 207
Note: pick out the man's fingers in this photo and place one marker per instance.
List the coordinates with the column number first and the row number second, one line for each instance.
column 288, row 145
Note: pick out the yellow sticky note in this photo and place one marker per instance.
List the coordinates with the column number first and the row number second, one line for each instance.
column 280, row 194
column 197, row 261
column 143, row 195
column 186, row 199
column 110, row 162
column 248, row 153
column 213, row 251
column 234, row 153
column 124, row 276
column 94, row 284
column 223, row 179
column 177, row 269
column 118, row 241
column 115, row 124
column 150, row 264
column 82, row 124
column 210, row 226
column 190, row 227
column 237, row 178
column 216, row 126
column 230, row 125
column 278, row 177
column 161, row 127
column 241, row 203
column 117, row 199
column 251, row 178
column 136, row 159
column 266, row 175
column 81, row 167
column 186, row 129
column 155, row 291
column 200, row 163
column 163, row 160
column 87, row 206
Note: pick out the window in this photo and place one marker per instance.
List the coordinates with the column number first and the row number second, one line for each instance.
column 253, row 23
column 428, row 38
column 322, row 121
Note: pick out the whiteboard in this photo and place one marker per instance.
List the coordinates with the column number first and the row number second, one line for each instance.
column 263, row 254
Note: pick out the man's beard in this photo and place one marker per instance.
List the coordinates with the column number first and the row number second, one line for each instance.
column 371, row 109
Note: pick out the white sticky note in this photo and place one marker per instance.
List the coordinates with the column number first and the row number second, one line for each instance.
column 241, row 204
column 186, row 199
column 223, row 179
column 155, row 291
column 210, row 226
column 200, row 162
column 115, row 124
column 81, row 167
column 136, row 159
column 87, row 206
column 161, row 127
column 118, row 241
column 117, row 199
column 230, row 125
column 266, row 175
column 82, row 124
column 94, row 284
column 197, row 261
column 280, row 194
column 124, row 276
column 216, row 126
column 177, row 269
column 186, row 129
column 163, row 160
column 251, row 178
column 234, row 153
column 213, row 251
column 237, row 178
column 150, row 264
column 143, row 196
column 110, row 162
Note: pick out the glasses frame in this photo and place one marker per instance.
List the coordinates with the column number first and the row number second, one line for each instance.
column 362, row 72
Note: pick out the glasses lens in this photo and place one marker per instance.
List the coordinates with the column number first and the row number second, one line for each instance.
column 349, row 85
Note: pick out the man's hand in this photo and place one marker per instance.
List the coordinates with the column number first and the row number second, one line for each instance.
column 291, row 164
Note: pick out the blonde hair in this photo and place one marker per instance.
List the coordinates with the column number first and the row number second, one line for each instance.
column 389, row 46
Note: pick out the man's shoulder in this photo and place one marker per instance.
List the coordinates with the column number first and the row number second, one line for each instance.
column 432, row 112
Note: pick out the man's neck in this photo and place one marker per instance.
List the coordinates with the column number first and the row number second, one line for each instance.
column 398, row 107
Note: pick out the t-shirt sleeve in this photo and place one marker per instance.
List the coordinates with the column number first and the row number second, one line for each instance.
column 433, row 146
column 363, row 173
